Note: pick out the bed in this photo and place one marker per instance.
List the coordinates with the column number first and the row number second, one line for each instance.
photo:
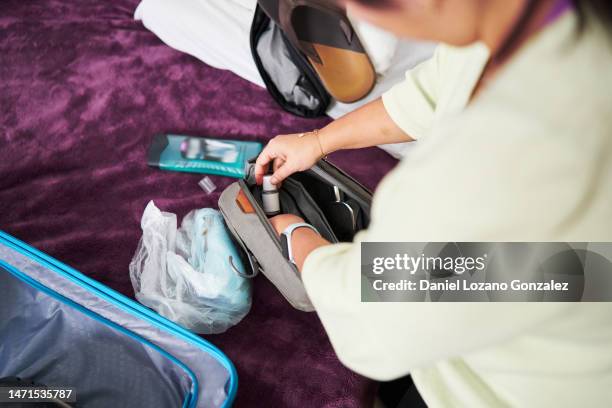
column 83, row 87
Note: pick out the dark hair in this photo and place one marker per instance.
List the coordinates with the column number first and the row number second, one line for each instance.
column 600, row 10
column 588, row 10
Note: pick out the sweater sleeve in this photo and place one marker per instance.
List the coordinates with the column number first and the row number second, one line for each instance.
column 411, row 104
column 387, row 340
column 384, row 341
column 438, row 194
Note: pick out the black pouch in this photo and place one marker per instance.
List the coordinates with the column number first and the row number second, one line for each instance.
column 287, row 74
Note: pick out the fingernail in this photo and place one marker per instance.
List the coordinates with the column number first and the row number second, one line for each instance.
column 273, row 180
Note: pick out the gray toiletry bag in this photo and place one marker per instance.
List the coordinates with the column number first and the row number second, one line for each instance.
column 324, row 196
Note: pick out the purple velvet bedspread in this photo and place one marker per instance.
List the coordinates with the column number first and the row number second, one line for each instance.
column 83, row 88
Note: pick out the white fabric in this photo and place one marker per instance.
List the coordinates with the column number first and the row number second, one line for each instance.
column 378, row 43
column 217, row 33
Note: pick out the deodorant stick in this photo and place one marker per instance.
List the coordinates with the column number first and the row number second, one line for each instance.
column 269, row 196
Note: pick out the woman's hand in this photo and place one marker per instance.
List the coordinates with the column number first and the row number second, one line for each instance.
column 303, row 240
column 282, row 221
column 288, row 154
column 369, row 125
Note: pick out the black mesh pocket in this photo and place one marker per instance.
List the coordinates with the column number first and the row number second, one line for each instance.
column 287, row 74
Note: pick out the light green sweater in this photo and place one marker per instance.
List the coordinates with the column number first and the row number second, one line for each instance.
column 530, row 159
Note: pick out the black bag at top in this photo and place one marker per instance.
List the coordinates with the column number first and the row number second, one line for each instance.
column 288, row 75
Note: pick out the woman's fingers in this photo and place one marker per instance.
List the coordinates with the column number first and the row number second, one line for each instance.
column 286, row 154
column 282, row 173
column 277, row 163
column 262, row 163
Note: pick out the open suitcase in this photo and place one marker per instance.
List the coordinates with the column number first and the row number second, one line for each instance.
column 59, row 328
column 324, row 196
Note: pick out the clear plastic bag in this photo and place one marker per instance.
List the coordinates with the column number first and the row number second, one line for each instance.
column 185, row 274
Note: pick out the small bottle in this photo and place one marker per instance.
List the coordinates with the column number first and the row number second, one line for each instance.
column 269, row 196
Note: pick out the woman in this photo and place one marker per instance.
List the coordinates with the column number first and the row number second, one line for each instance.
column 514, row 126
